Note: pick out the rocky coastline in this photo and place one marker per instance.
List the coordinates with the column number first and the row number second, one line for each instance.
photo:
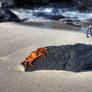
column 79, row 4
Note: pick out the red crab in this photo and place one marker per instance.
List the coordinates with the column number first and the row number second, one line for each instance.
column 34, row 55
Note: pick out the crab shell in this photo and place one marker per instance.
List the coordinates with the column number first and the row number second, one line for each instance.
column 34, row 55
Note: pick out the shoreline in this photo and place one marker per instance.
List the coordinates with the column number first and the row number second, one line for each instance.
column 51, row 25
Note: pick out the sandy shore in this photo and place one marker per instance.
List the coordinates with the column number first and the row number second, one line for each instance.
column 17, row 41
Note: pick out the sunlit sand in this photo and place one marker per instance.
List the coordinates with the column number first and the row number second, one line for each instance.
column 17, row 41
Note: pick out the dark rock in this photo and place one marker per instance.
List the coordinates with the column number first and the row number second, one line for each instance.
column 6, row 15
column 34, row 3
column 89, row 32
column 80, row 4
column 20, row 3
column 66, row 57
column 47, row 1
column 83, row 4
column 71, row 21
column 7, row 3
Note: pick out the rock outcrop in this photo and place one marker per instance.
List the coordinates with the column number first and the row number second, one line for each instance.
column 7, row 3
column 66, row 57
column 83, row 4
column 7, row 16
column 80, row 4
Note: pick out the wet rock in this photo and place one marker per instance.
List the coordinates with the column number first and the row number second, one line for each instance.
column 6, row 15
column 65, row 57
column 35, row 3
column 89, row 32
column 83, row 4
column 80, row 4
column 71, row 21
column 7, row 3
column 47, row 1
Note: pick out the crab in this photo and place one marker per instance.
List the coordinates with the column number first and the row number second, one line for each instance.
column 34, row 55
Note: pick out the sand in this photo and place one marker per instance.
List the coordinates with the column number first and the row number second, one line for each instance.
column 17, row 41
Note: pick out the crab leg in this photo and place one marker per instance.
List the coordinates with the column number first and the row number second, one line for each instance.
column 46, row 50
column 31, row 64
column 26, row 60
column 44, row 55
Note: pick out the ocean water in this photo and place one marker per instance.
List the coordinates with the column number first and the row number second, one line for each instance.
column 72, row 13
column 28, row 15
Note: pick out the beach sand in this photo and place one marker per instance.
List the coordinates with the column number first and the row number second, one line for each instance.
column 17, row 41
